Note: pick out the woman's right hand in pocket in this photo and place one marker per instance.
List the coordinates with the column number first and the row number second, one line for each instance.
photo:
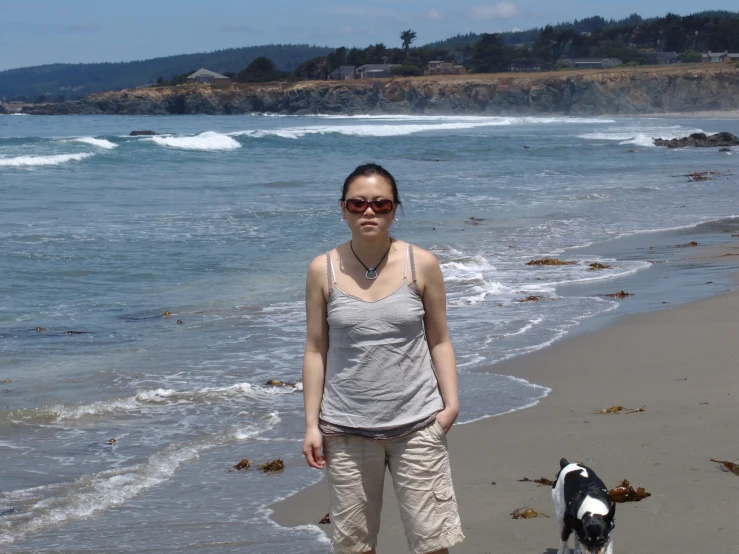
column 313, row 448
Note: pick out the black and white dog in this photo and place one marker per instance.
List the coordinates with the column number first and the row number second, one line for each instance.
column 581, row 504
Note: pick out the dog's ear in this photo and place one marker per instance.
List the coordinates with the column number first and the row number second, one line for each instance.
column 563, row 463
column 610, row 517
column 572, row 522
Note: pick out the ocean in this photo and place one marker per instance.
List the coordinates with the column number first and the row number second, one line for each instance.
column 214, row 222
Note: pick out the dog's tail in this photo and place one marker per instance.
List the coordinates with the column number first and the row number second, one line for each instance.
column 563, row 463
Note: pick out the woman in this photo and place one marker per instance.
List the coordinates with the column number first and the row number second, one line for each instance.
column 376, row 321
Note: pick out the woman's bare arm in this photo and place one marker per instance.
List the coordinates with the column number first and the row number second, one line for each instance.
column 314, row 359
column 433, row 293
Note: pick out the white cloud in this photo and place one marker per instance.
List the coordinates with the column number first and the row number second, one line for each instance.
column 500, row 11
column 433, row 15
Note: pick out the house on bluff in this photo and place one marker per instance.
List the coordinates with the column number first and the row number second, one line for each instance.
column 343, row 73
column 720, row 57
column 374, row 70
column 438, row 67
column 207, row 77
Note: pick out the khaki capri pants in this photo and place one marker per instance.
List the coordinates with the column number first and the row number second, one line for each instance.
column 419, row 467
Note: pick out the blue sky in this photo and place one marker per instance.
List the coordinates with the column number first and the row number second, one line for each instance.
column 35, row 32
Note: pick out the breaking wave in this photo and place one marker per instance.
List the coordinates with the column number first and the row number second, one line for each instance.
column 415, row 125
column 100, row 143
column 34, row 161
column 207, row 141
column 151, row 398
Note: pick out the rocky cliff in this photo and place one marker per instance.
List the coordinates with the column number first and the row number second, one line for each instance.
column 609, row 92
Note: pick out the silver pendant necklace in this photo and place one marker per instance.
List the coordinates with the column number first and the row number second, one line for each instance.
column 371, row 273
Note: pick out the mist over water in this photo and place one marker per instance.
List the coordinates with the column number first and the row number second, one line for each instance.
column 215, row 221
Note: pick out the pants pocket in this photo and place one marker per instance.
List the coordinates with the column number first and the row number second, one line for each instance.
column 445, row 504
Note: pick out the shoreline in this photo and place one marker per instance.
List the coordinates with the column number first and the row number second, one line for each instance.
column 680, row 362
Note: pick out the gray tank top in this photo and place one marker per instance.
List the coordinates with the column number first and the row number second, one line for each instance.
column 378, row 369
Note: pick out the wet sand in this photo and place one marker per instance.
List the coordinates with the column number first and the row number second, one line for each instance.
column 681, row 363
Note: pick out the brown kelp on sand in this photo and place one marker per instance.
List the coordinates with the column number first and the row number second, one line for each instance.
column 621, row 410
column 624, row 492
column 526, row 513
column 541, row 481
column 727, row 466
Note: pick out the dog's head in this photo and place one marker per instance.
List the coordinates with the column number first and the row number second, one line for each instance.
column 594, row 530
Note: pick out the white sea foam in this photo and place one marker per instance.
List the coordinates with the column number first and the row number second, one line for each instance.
column 100, row 143
column 477, row 118
column 35, row 161
column 153, row 398
column 364, row 130
column 400, row 125
column 91, row 494
column 208, row 141
column 640, row 137
column 640, row 140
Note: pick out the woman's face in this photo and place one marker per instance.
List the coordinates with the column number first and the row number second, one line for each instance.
column 368, row 223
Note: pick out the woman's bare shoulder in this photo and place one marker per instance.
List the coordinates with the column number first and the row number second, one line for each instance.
column 319, row 264
column 424, row 259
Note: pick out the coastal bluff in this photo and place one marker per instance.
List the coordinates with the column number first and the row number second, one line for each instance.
column 617, row 91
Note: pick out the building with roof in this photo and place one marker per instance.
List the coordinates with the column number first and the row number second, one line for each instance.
column 438, row 67
column 720, row 57
column 207, row 77
column 343, row 73
column 374, row 70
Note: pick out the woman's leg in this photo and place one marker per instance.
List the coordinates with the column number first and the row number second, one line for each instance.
column 419, row 465
column 356, row 471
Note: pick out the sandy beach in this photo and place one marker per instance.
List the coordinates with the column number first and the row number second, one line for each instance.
column 680, row 363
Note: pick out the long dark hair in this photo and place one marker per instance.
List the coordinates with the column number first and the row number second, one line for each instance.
column 368, row 170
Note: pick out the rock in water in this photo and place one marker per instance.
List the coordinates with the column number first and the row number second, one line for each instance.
column 699, row 140
column 146, row 133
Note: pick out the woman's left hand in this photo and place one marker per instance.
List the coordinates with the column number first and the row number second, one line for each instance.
column 446, row 418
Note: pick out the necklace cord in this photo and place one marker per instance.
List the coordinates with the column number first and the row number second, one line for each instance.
column 371, row 271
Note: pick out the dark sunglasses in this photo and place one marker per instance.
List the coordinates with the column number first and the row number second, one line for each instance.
column 359, row 206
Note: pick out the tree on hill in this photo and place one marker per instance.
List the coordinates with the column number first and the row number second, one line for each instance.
column 316, row 69
column 260, row 70
column 607, row 49
column 405, row 70
column 489, row 54
column 407, row 36
column 691, row 56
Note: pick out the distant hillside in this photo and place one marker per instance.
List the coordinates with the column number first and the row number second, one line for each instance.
column 78, row 80
column 592, row 24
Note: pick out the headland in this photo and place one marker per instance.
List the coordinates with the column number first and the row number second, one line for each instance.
column 629, row 91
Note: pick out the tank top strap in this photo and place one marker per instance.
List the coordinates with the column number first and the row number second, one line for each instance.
column 413, row 265
column 330, row 274
column 405, row 267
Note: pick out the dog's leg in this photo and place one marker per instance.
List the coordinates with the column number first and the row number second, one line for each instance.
column 564, row 537
column 609, row 548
